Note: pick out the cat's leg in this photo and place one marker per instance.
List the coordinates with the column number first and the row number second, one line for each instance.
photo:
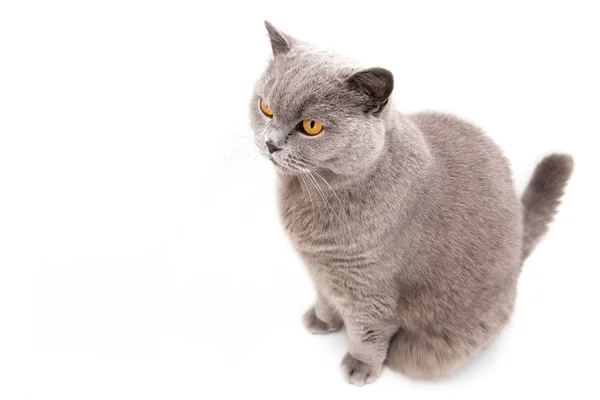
column 369, row 342
column 322, row 317
column 426, row 356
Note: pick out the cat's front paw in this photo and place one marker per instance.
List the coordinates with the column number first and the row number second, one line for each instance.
column 315, row 325
column 357, row 372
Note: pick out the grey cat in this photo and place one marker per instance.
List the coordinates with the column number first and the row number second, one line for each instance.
column 409, row 224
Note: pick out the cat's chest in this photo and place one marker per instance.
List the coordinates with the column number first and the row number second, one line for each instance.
column 338, row 235
column 321, row 219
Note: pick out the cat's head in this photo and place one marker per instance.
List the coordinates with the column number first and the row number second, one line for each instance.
column 315, row 110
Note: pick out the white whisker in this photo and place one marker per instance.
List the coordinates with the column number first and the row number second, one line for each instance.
column 312, row 205
column 350, row 230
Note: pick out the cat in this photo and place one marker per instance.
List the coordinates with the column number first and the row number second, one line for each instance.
column 409, row 224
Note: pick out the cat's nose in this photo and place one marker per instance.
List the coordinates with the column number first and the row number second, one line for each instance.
column 271, row 146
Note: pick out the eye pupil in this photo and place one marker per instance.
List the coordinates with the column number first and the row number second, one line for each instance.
column 310, row 127
column 265, row 109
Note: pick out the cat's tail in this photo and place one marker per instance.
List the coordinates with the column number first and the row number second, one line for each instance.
column 542, row 197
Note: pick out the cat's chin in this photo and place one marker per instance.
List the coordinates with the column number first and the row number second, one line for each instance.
column 282, row 169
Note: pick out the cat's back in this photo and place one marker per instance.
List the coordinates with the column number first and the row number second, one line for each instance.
column 466, row 155
column 472, row 220
column 458, row 143
column 474, row 196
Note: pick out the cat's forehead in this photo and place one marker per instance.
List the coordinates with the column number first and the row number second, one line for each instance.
column 305, row 79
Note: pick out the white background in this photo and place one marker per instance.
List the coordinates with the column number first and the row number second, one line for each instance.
column 141, row 254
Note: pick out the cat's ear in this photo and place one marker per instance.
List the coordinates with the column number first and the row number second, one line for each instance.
column 377, row 83
column 280, row 42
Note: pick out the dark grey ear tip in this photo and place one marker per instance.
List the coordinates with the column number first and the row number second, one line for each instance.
column 377, row 83
column 383, row 74
column 376, row 73
column 387, row 73
column 381, row 71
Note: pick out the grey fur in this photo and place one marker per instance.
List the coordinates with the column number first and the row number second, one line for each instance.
column 540, row 199
column 408, row 224
column 280, row 42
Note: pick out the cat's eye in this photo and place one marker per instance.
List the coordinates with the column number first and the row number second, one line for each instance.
column 311, row 127
column 265, row 108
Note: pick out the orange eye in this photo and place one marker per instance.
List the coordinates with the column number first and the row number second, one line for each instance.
column 265, row 108
column 312, row 127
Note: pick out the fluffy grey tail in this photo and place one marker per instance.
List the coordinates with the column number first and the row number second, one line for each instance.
column 542, row 197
